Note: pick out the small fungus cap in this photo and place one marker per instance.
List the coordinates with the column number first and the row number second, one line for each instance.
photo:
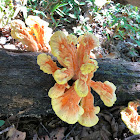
column 34, row 36
column 23, row 34
column 47, row 65
column 89, row 117
column 67, row 106
column 130, row 117
column 81, row 88
column 57, row 90
column 16, row 27
column 106, row 92
column 87, row 68
column 62, row 76
column 41, row 31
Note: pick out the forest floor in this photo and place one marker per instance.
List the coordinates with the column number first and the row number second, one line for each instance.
column 110, row 125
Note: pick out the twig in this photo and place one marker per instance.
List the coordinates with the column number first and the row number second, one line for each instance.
column 7, row 129
column 45, row 129
column 15, row 51
column 132, row 137
column 2, row 45
column 69, row 132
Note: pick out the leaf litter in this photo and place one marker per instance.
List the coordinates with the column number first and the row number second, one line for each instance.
column 110, row 127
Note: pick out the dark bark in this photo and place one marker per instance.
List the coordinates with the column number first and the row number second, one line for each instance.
column 132, row 2
column 24, row 87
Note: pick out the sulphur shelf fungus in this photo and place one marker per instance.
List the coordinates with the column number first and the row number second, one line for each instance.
column 131, row 117
column 75, row 103
column 35, row 37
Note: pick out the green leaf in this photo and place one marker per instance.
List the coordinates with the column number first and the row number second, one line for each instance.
column 82, row 3
column 63, row 4
column 77, row 2
column 54, row 21
column 72, row 15
column 24, row 10
column 130, row 27
column 115, row 21
column 2, row 122
column 39, row 12
column 138, row 42
column 108, row 36
column 104, row 25
column 66, row 10
column 136, row 9
column 118, row 36
column 86, row 27
column 59, row 12
column 54, row 7
column 121, row 33
column 65, row 19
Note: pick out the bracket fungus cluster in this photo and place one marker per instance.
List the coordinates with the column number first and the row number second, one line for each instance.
column 131, row 117
column 75, row 103
column 35, row 37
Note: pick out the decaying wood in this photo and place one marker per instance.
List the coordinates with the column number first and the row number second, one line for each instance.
column 132, row 2
column 24, row 87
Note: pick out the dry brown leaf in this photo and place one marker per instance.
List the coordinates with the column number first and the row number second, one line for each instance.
column 59, row 133
column 56, row 134
column 46, row 138
column 92, row 136
column 104, row 135
column 14, row 134
column 113, row 55
column 114, row 127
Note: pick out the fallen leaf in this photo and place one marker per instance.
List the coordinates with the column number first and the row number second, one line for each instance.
column 59, row 133
column 14, row 134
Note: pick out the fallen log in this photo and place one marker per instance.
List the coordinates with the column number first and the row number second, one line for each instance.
column 124, row 2
column 24, row 87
